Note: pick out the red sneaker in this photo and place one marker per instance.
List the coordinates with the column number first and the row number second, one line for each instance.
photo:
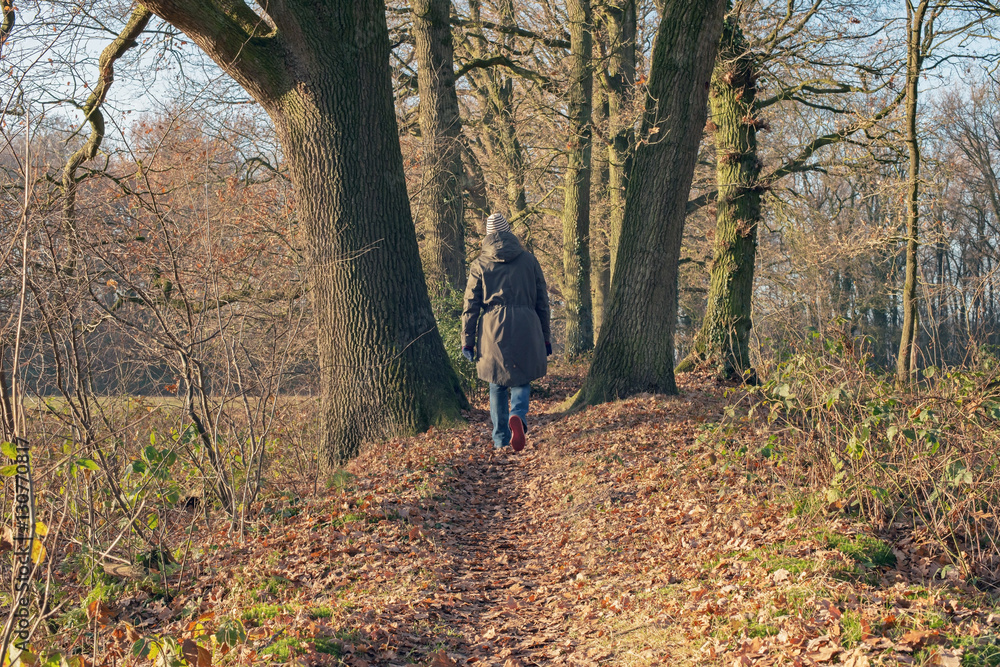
column 516, row 433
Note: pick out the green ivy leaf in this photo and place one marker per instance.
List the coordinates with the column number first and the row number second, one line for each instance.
column 141, row 647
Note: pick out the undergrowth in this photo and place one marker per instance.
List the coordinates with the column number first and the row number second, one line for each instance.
column 845, row 437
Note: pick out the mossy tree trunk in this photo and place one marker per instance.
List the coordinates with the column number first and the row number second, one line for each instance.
column 635, row 352
column 441, row 194
column 620, row 22
column 321, row 71
column 576, row 205
column 724, row 338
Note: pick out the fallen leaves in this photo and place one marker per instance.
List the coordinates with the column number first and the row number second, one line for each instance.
column 441, row 659
column 947, row 658
column 100, row 612
column 918, row 639
column 196, row 655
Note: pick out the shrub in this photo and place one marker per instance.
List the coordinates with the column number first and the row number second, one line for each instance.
column 924, row 456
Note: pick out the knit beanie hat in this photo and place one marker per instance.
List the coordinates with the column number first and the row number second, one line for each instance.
column 497, row 223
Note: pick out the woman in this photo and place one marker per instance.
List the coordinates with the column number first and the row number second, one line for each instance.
column 507, row 287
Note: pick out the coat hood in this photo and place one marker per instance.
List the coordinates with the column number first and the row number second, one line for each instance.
column 501, row 247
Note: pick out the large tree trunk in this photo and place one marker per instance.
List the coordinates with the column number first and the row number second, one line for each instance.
column 620, row 18
column 724, row 338
column 441, row 193
column 906, row 361
column 576, row 206
column 321, row 71
column 635, row 352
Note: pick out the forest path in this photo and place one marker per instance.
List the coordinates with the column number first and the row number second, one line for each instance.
column 513, row 586
column 505, row 571
column 544, row 556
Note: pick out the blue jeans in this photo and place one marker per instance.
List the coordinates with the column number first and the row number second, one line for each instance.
column 500, row 412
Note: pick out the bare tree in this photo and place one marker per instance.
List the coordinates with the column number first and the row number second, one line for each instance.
column 920, row 20
column 807, row 68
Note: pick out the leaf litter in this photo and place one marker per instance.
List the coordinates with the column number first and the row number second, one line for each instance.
column 619, row 536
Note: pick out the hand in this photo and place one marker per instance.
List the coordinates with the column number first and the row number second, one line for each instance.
column 548, row 349
column 467, row 353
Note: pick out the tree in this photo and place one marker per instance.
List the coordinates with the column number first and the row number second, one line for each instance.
column 620, row 21
column 441, row 192
column 725, row 334
column 919, row 38
column 635, row 351
column 576, row 207
column 600, row 255
column 615, row 30
column 495, row 92
column 972, row 128
column 321, row 72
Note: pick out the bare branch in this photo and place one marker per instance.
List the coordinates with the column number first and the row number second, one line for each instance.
column 235, row 37
column 125, row 40
column 800, row 162
column 494, row 61
column 557, row 43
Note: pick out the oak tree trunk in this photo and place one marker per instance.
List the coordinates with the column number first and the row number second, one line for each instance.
column 576, row 206
column 441, row 194
column 724, row 338
column 635, row 352
column 321, row 71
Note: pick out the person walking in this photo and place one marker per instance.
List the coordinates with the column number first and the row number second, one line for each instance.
column 513, row 341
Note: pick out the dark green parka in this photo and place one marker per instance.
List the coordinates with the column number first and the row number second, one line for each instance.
column 506, row 284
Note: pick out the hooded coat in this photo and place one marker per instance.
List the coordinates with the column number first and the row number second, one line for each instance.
column 507, row 287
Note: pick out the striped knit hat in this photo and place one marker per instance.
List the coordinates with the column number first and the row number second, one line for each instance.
column 497, row 223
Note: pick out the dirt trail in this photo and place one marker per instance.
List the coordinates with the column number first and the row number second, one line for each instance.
column 618, row 537
column 504, row 574
column 502, row 559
